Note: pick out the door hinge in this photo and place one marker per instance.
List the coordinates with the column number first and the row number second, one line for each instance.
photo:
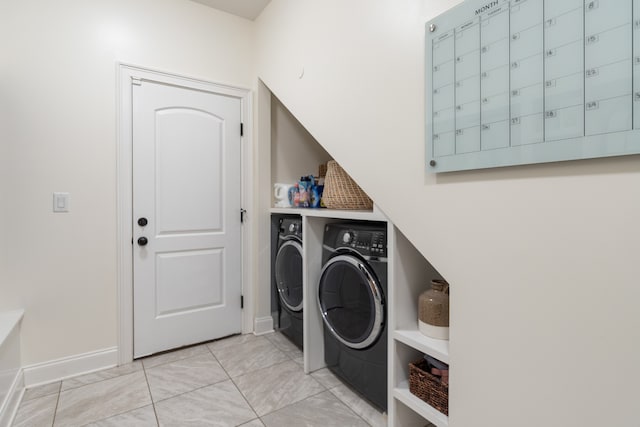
column 241, row 301
column 137, row 81
column 242, row 214
column 241, row 129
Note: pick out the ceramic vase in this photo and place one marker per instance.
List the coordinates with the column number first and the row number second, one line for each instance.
column 433, row 310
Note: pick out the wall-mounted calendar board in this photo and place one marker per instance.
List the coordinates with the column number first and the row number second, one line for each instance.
column 511, row 82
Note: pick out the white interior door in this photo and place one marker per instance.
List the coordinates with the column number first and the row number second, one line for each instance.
column 186, row 217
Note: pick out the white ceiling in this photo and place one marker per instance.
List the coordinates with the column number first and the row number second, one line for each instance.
column 249, row 9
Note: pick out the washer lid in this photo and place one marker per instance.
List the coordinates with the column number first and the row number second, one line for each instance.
column 351, row 301
column 288, row 271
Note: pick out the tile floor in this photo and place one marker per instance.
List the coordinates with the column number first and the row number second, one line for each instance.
column 244, row 380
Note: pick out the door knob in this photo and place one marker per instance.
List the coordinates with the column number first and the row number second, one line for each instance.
column 142, row 222
column 142, row 241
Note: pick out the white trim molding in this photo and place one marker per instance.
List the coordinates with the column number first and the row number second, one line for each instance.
column 128, row 75
column 71, row 366
column 10, row 369
column 263, row 325
column 12, row 401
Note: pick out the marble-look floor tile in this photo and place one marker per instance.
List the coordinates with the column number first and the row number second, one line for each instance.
column 297, row 356
column 105, row 374
column 36, row 412
column 115, row 397
column 231, row 341
column 249, row 356
column 321, row 410
column 220, row 405
column 360, row 406
column 277, row 386
column 325, row 377
column 141, row 417
column 172, row 379
column 93, row 402
column 41, row 391
column 183, row 353
column 253, row 423
column 281, row 341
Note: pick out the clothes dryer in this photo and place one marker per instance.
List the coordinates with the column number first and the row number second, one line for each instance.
column 287, row 268
column 352, row 299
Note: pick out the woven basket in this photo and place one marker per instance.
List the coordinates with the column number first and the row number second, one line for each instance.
column 342, row 192
column 322, row 170
column 428, row 387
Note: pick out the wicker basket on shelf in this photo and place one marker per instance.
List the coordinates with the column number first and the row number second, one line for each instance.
column 322, row 170
column 428, row 387
column 342, row 192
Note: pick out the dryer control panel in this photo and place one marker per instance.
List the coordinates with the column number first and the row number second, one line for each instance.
column 366, row 242
column 291, row 227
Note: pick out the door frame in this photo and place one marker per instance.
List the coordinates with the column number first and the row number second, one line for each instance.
column 127, row 75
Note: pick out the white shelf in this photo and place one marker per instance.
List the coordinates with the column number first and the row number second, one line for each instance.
column 431, row 346
column 373, row 215
column 422, row 408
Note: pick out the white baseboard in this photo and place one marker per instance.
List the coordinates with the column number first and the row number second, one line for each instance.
column 55, row 370
column 12, row 401
column 263, row 325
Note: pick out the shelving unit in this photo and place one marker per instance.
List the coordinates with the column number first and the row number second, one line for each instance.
column 372, row 215
column 293, row 152
column 410, row 274
column 433, row 347
column 426, row 411
column 313, row 222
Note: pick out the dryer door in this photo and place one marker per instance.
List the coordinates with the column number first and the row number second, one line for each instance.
column 288, row 271
column 351, row 301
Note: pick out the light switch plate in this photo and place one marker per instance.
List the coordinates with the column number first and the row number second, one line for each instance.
column 61, row 202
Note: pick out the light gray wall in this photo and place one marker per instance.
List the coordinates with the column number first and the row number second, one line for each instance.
column 58, row 93
column 542, row 260
column 294, row 152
